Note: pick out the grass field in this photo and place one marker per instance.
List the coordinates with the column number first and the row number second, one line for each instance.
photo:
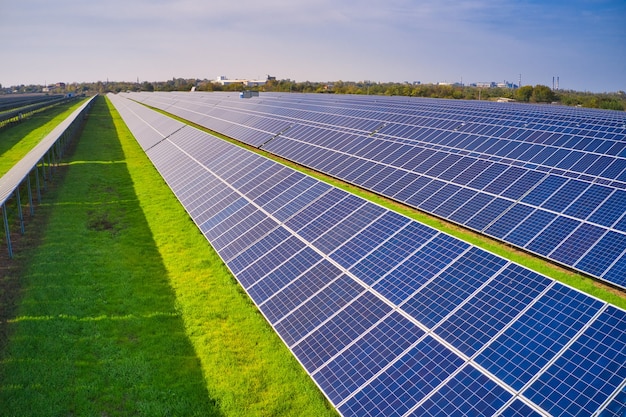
column 17, row 140
column 119, row 307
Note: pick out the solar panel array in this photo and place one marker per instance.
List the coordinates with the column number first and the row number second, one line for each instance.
column 389, row 316
column 550, row 180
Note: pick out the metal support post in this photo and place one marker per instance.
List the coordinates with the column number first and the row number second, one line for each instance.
column 30, row 195
column 7, row 232
column 37, row 184
column 19, row 209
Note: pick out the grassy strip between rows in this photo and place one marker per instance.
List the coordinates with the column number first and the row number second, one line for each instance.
column 573, row 279
column 17, row 140
column 125, row 310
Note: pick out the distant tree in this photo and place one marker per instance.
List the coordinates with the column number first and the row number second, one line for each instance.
column 610, row 104
column 542, row 94
column 146, row 86
column 524, row 93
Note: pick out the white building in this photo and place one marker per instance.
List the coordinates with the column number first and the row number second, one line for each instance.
column 223, row 80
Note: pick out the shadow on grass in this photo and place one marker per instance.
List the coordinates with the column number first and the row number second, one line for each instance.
column 96, row 330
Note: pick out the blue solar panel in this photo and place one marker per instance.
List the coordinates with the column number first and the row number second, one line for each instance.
column 471, row 207
column 552, row 235
column 499, row 183
column 392, row 251
column 264, row 288
column 520, row 187
column 617, row 407
column 439, row 197
column 521, row 351
column 324, row 305
column 488, row 176
column 327, row 339
column 460, row 279
column 518, row 409
column 488, row 214
column 328, row 219
column 588, row 372
column 243, row 235
column 472, row 171
column 425, row 192
column 491, row 309
column 277, row 190
column 577, row 244
column 509, row 220
column 347, row 226
column 589, row 201
column 469, row 393
column 315, row 209
column 297, row 292
column 264, row 256
column 611, row 246
column 359, row 245
column 530, row 227
column 403, row 281
column 564, row 197
column 417, row 184
column 367, row 356
column 616, row 273
column 453, row 203
column 400, row 386
column 544, row 190
column 392, row 317
column 438, row 145
column 621, row 224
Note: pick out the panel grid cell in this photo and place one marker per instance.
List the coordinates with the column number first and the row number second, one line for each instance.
column 300, row 322
column 399, row 388
column 363, row 312
column 491, row 309
column 469, row 393
column 391, row 252
column 371, row 353
column 424, row 264
column 435, row 300
column 532, row 341
column 582, row 379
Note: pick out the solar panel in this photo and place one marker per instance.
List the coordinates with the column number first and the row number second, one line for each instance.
column 544, row 156
column 387, row 315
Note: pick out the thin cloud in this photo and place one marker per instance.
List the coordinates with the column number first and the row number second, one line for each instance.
column 384, row 40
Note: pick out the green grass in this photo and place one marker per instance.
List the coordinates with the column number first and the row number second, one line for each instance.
column 17, row 140
column 572, row 278
column 123, row 309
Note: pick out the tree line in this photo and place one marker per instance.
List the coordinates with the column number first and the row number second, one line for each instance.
column 526, row 94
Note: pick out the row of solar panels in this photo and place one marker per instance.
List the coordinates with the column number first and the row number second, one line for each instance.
column 572, row 213
column 577, row 153
column 13, row 101
column 556, row 127
column 389, row 316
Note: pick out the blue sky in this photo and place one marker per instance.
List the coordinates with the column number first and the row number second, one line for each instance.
column 583, row 42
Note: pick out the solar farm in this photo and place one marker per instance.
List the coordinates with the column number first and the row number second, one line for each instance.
column 386, row 314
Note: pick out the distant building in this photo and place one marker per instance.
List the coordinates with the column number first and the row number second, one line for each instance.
column 506, row 84
column 223, row 80
column 492, row 84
